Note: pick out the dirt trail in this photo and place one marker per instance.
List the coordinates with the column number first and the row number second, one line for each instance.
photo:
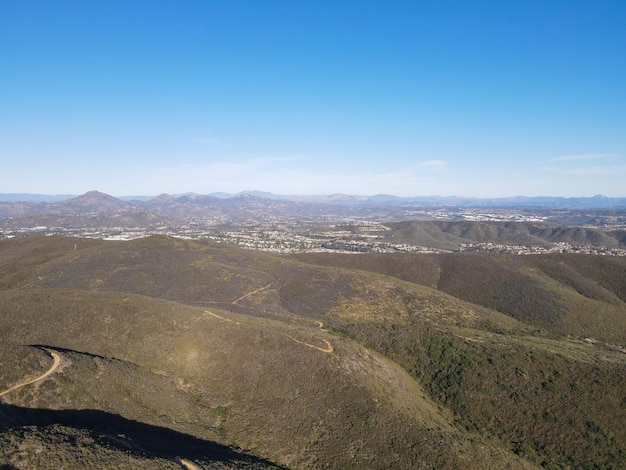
column 252, row 293
column 188, row 464
column 208, row 312
column 56, row 361
column 327, row 349
column 55, row 364
column 321, row 325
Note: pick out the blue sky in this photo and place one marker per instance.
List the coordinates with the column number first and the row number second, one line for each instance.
column 412, row 98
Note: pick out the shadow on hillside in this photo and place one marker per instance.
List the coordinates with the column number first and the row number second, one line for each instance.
column 115, row 431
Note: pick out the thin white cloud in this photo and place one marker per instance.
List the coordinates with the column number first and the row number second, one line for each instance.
column 198, row 135
column 286, row 175
column 597, row 170
column 293, row 174
column 590, row 171
column 587, row 156
column 587, row 171
column 225, row 175
column 206, row 140
column 433, row 164
column 551, row 169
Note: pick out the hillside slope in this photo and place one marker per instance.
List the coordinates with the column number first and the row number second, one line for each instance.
column 450, row 235
column 572, row 295
column 408, row 361
column 245, row 381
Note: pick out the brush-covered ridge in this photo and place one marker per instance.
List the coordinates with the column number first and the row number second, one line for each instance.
column 447, row 361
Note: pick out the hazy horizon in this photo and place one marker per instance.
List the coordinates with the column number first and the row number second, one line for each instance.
column 314, row 98
column 32, row 197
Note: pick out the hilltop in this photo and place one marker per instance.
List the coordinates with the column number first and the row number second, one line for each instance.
column 242, row 359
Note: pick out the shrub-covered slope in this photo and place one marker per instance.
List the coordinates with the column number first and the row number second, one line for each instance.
column 563, row 294
column 448, row 361
column 451, row 234
column 259, row 384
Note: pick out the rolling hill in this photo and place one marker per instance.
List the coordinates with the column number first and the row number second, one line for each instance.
column 450, row 235
column 177, row 352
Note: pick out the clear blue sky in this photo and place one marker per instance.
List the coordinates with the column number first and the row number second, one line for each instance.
column 468, row 98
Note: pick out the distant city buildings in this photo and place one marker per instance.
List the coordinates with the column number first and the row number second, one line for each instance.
column 333, row 234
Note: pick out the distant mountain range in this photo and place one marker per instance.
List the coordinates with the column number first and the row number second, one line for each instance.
column 96, row 209
column 93, row 207
column 595, row 202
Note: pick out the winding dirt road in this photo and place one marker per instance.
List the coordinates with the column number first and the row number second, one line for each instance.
column 189, row 465
column 208, row 312
column 260, row 289
column 55, row 364
column 328, row 349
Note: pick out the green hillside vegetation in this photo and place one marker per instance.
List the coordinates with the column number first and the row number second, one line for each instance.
column 250, row 360
column 575, row 295
column 235, row 379
column 449, row 235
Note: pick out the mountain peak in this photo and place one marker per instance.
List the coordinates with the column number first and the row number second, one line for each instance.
column 163, row 197
column 95, row 196
column 94, row 201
